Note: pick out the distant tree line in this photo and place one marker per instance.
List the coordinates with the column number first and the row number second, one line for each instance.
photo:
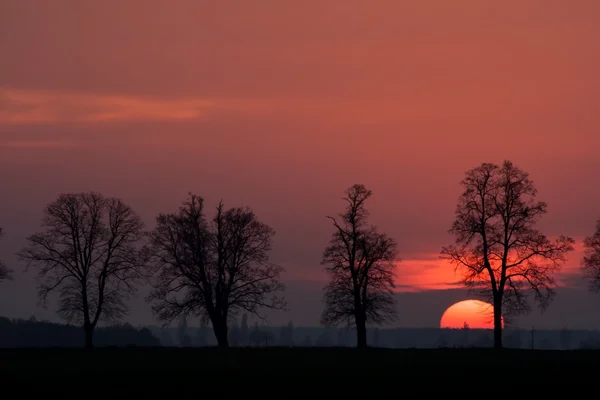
column 243, row 335
column 94, row 252
column 32, row 333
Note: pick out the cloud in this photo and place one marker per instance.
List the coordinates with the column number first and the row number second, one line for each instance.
column 38, row 144
column 427, row 272
column 20, row 106
column 31, row 106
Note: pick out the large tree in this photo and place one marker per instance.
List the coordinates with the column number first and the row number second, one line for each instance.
column 88, row 252
column 591, row 259
column 5, row 272
column 360, row 263
column 212, row 269
column 498, row 249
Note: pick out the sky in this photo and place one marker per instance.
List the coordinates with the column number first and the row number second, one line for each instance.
column 281, row 106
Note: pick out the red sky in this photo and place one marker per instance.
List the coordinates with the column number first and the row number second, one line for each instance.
column 282, row 105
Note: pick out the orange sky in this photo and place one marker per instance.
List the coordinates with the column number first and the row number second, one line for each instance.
column 282, row 105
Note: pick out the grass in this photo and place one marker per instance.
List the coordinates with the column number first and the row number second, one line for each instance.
column 288, row 371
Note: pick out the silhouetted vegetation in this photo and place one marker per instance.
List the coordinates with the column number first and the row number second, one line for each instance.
column 212, row 269
column 591, row 260
column 498, row 249
column 5, row 272
column 93, row 253
column 360, row 264
column 32, row 333
column 88, row 254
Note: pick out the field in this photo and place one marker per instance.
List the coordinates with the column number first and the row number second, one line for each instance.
column 285, row 372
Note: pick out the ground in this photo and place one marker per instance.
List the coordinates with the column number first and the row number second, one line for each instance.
column 286, row 372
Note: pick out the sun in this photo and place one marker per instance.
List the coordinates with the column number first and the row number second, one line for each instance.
column 475, row 314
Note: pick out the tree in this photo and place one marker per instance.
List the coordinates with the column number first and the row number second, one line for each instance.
column 87, row 253
column 591, row 259
column 201, row 334
column 234, row 335
column 244, row 332
column 5, row 272
column 466, row 330
column 376, row 337
column 165, row 338
column 513, row 339
column 212, row 270
column 360, row 262
column 565, row 338
column 500, row 253
column 286, row 337
column 182, row 332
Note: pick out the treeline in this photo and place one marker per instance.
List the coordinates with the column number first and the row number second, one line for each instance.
column 242, row 335
column 95, row 251
column 32, row 333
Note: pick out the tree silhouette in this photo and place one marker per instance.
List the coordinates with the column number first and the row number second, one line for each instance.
column 244, row 332
column 466, row 330
column 497, row 248
column 286, row 337
column 565, row 338
column 88, row 254
column 182, row 332
column 376, row 337
column 165, row 338
column 212, row 270
column 361, row 264
column 201, row 334
column 234, row 335
column 5, row 272
column 591, row 259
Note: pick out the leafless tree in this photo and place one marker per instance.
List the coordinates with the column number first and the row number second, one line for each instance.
column 5, row 272
column 500, row 253
column 360, row 262
column 591, row 259
column 212, row 269
column 88, row 253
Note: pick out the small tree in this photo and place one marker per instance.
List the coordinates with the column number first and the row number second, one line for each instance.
column 182, row 332
column 376, row 337
column 498, row 249
column 212, row 270
column 286, row 336
column 244, row 331
column 201, row 334
column 5, row 272
column 565, row 338
column 466, row 330
column 591, row 259
column 87, row 253
column 234, row 335
column 360, row 262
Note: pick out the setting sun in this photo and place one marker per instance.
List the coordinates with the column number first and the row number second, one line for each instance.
column 475, row 314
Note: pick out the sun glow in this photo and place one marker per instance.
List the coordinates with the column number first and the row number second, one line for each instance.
column 475, row 314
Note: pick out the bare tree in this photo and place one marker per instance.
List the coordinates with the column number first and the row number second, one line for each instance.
column 5, row 272
column 212, row 270
column 88, row 253
column 182, row 332
column 500, row 253
column 360, row 262
column 591, row 259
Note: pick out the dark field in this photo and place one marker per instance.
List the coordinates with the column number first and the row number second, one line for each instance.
column 285, row 372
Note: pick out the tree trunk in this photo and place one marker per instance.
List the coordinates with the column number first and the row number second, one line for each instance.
column 220, row 330
column 361, row 332
column 89, row 335
column 497, row 323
